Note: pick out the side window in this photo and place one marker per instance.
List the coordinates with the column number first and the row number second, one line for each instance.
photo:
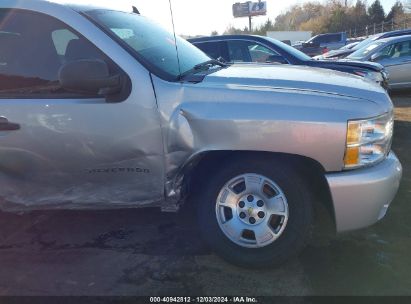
column 61, row 40
column 320, row 39
column 247, row 51
column 212, row 49
column 337, row 38
column 33, row 47
column 334, row 38
column 401, row 49
column 395, row 51
column 260, row 53
column 238, row 51
column 325, row 39
column 387, row 51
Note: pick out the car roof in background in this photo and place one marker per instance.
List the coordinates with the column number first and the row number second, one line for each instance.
column 390, row 34
column 396, row 38
column 396, row 33
column 227, row 37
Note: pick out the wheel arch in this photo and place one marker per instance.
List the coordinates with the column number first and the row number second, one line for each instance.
column 193, row 172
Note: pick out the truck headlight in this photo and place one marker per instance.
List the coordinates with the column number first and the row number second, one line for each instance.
column 368, row 141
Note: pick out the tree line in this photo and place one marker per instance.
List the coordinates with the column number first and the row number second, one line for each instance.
column 331, row 16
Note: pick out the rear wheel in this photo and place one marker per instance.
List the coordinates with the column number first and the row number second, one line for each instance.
column 255, row 212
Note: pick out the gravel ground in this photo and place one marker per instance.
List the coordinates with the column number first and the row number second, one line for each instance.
column 145, row 252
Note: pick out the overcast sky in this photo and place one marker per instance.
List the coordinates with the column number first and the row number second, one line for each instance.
column 201, row 17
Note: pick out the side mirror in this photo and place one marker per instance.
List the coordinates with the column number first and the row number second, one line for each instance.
column 221, row 59
column 89, row 76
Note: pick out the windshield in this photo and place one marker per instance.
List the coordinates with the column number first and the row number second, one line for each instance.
column 290, row 50
column 365, row 42
column 154, row 46
column 349, row 46
column 365, row 51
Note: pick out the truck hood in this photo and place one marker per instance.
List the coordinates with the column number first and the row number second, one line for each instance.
column 297, row 78
column 351, row 63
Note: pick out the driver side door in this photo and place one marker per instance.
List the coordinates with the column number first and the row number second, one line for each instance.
column 63, row 149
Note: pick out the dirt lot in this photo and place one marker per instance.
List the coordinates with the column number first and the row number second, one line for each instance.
column 144, row 252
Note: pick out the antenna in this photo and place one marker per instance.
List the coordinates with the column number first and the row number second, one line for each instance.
column 136, row 11
column 175, row 37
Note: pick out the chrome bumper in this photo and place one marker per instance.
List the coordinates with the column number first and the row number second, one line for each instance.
column 361, row 197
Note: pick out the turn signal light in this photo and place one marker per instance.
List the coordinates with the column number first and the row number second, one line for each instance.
column 352, row 156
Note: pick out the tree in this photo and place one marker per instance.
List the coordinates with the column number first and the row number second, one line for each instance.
column 214, row 33
column 231, row 30
column 299, row 14
column 333, row 16
column 316, row 25
column 376, row 12
column 338, row 20
column 357, row 18
column 263, row 29
column 359, row 9
column 396, row 13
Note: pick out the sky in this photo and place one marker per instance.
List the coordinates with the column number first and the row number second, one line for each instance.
column 201, row 17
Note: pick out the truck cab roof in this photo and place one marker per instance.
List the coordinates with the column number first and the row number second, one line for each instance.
column 76, row 5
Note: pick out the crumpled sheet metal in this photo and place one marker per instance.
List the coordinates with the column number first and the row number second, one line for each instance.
column 93, row 155
column 25, row 185
column 198, row 118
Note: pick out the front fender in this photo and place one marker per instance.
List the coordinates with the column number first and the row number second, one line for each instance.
column 199, row 127
column 200, row 118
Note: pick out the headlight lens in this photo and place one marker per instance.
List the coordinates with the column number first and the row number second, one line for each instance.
column 368, row 141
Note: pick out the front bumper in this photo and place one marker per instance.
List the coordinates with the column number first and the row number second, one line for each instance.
column 361, row 197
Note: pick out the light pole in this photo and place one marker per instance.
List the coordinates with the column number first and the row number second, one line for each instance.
column 249, row 23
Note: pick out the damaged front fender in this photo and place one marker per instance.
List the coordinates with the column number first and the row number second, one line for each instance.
column 197, row 119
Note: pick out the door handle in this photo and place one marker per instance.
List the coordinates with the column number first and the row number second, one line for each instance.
column 5, row 125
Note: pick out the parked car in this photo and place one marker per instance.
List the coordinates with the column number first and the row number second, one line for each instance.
column 394, row 54
column 108, row 116
column 350, row 45
column 342, row 53
column 341, row 50
column 248, row 48
column 310, row 49
column 322, row 43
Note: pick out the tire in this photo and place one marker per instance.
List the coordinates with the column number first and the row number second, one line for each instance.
column 233, row 236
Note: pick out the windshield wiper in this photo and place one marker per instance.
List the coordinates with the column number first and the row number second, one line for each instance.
column 209, row 63
column 205, row 66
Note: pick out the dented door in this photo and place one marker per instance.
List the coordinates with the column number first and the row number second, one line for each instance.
column 65, row 149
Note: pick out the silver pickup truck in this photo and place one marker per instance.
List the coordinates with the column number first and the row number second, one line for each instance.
column 102, row 108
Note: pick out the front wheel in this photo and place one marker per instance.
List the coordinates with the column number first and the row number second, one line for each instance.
column 255, row 212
